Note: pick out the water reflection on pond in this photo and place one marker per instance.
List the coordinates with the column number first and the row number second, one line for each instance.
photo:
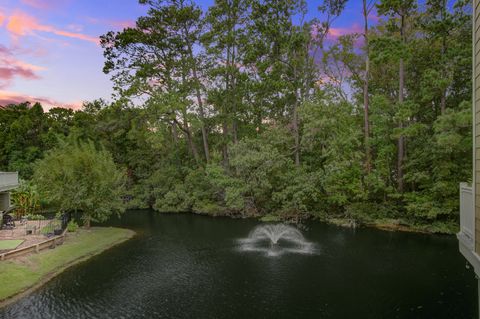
column 187, row 266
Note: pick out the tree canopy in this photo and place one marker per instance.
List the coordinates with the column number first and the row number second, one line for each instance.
column 77, row 176
column 253, row 108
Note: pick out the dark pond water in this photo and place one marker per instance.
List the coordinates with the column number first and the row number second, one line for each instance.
column 186, row 266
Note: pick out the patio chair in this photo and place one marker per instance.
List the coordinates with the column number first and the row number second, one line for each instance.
column 8, row 222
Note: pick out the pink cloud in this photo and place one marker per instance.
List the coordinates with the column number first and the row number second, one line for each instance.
column 335, row 33
column 338, row 32
column 7, row 97
column 8, row 73
column 21, row 24
column 2, row 18
column 11, row 67
column 122, row 24
column 43, row 4
column 115, row 24
column 36, row 51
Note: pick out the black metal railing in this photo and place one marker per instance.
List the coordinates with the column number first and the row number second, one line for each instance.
column 64, row 219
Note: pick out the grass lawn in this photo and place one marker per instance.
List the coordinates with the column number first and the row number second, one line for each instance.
column 10, row 243
column 17, row 275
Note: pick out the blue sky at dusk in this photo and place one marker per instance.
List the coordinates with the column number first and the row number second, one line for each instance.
column 49, row 49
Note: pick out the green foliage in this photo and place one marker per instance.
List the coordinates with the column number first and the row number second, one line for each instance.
column 23, row 137
column 256, row 167
column 26, row 199
column 35, row 217
column 332, row 139
column 228, row 112
column 72, row 226
column 369, row 212
column 396, row 7
column 78, row 176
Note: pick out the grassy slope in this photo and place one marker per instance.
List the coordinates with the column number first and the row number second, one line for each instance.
column 18, row 275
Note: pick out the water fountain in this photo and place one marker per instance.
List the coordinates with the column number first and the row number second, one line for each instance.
column 276, row 240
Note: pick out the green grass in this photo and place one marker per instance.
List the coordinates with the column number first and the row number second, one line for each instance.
column 18, row 275
column 8, row 244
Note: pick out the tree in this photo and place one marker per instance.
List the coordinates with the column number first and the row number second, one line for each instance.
column 155, row 60
column 184, row 19
column 23, row 138
column 284, row 53
column 332, row 138
column 295, row 126
column 401, row 9
column 226, row 43
column 77, row 176
column 366, row 9
column 279, row 52
column 440, row 24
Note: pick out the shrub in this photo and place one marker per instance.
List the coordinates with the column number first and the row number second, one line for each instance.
column 78, row 176
column 26, row 199
column 72, row 226
column 35, row 217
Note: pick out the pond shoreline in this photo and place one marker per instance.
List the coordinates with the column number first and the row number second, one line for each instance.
column 391, row 225
column 170, row 267
column 117, row 236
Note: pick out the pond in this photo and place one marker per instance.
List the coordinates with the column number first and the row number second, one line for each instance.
column 189, row 266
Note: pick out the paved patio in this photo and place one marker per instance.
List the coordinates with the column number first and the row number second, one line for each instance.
column 20, row 232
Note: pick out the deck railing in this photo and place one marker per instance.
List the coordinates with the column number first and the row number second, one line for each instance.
column 8, row 180
column 467, row 216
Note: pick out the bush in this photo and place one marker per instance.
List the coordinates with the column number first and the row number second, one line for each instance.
column 26, row 199
column 35, row 217
column 78, row 176
column 368, row 212
column 72, row 226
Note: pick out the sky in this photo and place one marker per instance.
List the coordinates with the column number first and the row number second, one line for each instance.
column 50, row 52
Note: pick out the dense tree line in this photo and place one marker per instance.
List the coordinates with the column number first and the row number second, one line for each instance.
column 251, row 109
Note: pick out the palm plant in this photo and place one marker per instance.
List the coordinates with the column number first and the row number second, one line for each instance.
column 26, row 200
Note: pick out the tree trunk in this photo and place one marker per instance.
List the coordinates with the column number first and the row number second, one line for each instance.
column 295, row 124
column 400, row 143
column 226, row 101
column 443, row 102
column 234, row 117
column 366, row 101
column 202, row 116
column 188, row 136
column 234, row 96
column 235, row 130
column 296, row 133
column 199, row 97
column 174, row 133
column 86, row 222
column 225, row 144
column 443, row 98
